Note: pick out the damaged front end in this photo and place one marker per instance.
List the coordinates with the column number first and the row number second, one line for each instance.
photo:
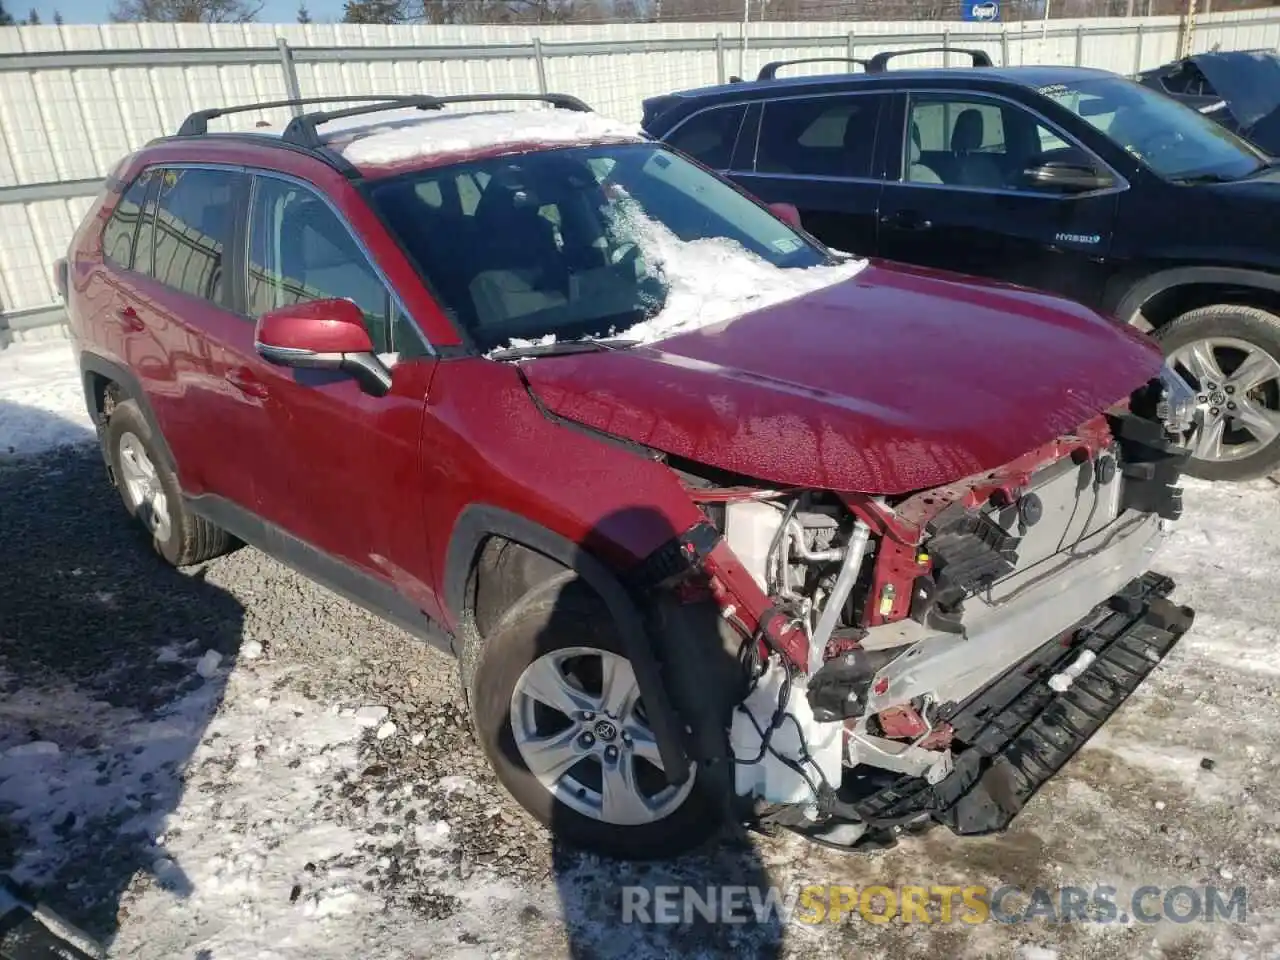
column 937, row 657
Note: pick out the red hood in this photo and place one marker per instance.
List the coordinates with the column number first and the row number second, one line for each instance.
column 896, row 380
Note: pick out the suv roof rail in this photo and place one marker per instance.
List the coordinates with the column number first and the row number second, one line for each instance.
column 197, row 123
column 880, row 62
column 302, row 128
column 770, row 70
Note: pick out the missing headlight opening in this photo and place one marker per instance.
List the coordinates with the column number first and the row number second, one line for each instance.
column 937, row 656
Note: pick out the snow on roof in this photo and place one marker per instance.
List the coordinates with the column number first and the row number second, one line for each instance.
column 395, row 136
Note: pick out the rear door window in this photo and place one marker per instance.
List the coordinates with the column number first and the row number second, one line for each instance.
column 119, row 238
column 709, row 136
column 194, row 224
column 819, row 136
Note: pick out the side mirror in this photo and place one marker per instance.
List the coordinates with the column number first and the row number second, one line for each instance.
column 787, row 213
column 1069, row 176
column 322, row 335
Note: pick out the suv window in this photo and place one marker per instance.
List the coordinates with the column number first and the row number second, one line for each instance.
column 299, row 251
column 970, row 141
column 119, row 235
column 194, row 222
column 819, row 136
column 709, row 136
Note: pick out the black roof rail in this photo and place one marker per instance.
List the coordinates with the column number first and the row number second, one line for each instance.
column 302, row 130
column 770, row 70
column 197, row 124
column 880, row 62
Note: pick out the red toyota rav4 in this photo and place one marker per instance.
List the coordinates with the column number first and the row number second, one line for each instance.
column 721, row 524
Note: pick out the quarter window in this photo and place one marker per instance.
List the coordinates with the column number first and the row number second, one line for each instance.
column 194, row 222
column 819, row 136
column 299, row 251
column 118, row 238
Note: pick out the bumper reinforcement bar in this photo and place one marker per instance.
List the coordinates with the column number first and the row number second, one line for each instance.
column 1016, row 733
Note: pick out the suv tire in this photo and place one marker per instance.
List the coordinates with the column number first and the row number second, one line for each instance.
column 546, row 635
column 1232, row 334
column 151, row 494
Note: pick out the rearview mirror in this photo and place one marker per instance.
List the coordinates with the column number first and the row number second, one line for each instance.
column 1069, row 176
column 787, row 213
column 322, row 335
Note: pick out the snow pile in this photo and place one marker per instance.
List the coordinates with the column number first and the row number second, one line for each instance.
column 41, row 400
column 410, row 134
column 709, row 282
column 714, row 280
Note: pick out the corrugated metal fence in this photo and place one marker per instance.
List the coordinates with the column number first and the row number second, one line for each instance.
column 74, row 100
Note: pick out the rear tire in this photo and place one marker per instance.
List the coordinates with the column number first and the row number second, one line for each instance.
column 1237, row 436
column 150, row 491
column 561, row 634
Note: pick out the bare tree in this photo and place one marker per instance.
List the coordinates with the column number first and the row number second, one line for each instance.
column 33, row 18
column 57, row 18
column 6, row 20
column 185, row 11
column 304, row 15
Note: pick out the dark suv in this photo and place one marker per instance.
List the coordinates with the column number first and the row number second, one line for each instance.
column 710, row 514
column 1075, row 181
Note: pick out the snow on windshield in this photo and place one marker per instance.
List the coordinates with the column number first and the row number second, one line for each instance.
column 710, row 281
column 410, row 134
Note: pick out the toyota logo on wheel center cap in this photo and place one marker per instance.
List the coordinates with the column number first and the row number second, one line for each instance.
column 605, row 730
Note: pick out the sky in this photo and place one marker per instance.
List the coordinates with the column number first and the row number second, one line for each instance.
column 95, row 11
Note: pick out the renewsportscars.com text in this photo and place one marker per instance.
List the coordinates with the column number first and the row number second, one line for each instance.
column 970, row 904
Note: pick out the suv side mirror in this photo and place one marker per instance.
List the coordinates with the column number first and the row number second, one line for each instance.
column 1069, row 176
column 787, row 213
column 322, row 335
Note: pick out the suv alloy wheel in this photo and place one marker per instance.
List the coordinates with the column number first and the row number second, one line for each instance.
column 1230, row 355
column 557, row 711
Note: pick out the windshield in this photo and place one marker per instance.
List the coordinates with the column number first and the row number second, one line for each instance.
column 573, row 242
column 1174, row 140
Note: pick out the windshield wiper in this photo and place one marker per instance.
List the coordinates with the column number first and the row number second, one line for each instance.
column 561, row 348
column 1204, row 178
column 1210, row 177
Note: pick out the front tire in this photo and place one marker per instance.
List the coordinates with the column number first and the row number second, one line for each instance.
column 558, row 714
column 1230, row 355
column 150, row 491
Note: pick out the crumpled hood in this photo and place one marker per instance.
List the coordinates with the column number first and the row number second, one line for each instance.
column 896, row 380
column 1248, row 80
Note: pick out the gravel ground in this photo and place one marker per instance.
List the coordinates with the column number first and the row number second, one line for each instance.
column 84, row 606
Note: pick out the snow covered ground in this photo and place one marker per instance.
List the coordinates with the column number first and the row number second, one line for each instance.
column 41, row 403
column 233, row 764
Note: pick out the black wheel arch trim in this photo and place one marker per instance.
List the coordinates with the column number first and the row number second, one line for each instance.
column 93, row 363
column 478, row 522
column 1129, row 305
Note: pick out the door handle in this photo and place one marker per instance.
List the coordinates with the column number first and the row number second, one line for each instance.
column 242, row 379
column 905, row 220
column 130, row 320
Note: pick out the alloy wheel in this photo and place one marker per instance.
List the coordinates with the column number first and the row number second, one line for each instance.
column 1237, row 387
column 579, row 724
column 143, row 487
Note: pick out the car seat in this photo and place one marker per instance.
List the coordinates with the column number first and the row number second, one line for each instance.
column 972, row 167
column 523, row 269
column 918, row 172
